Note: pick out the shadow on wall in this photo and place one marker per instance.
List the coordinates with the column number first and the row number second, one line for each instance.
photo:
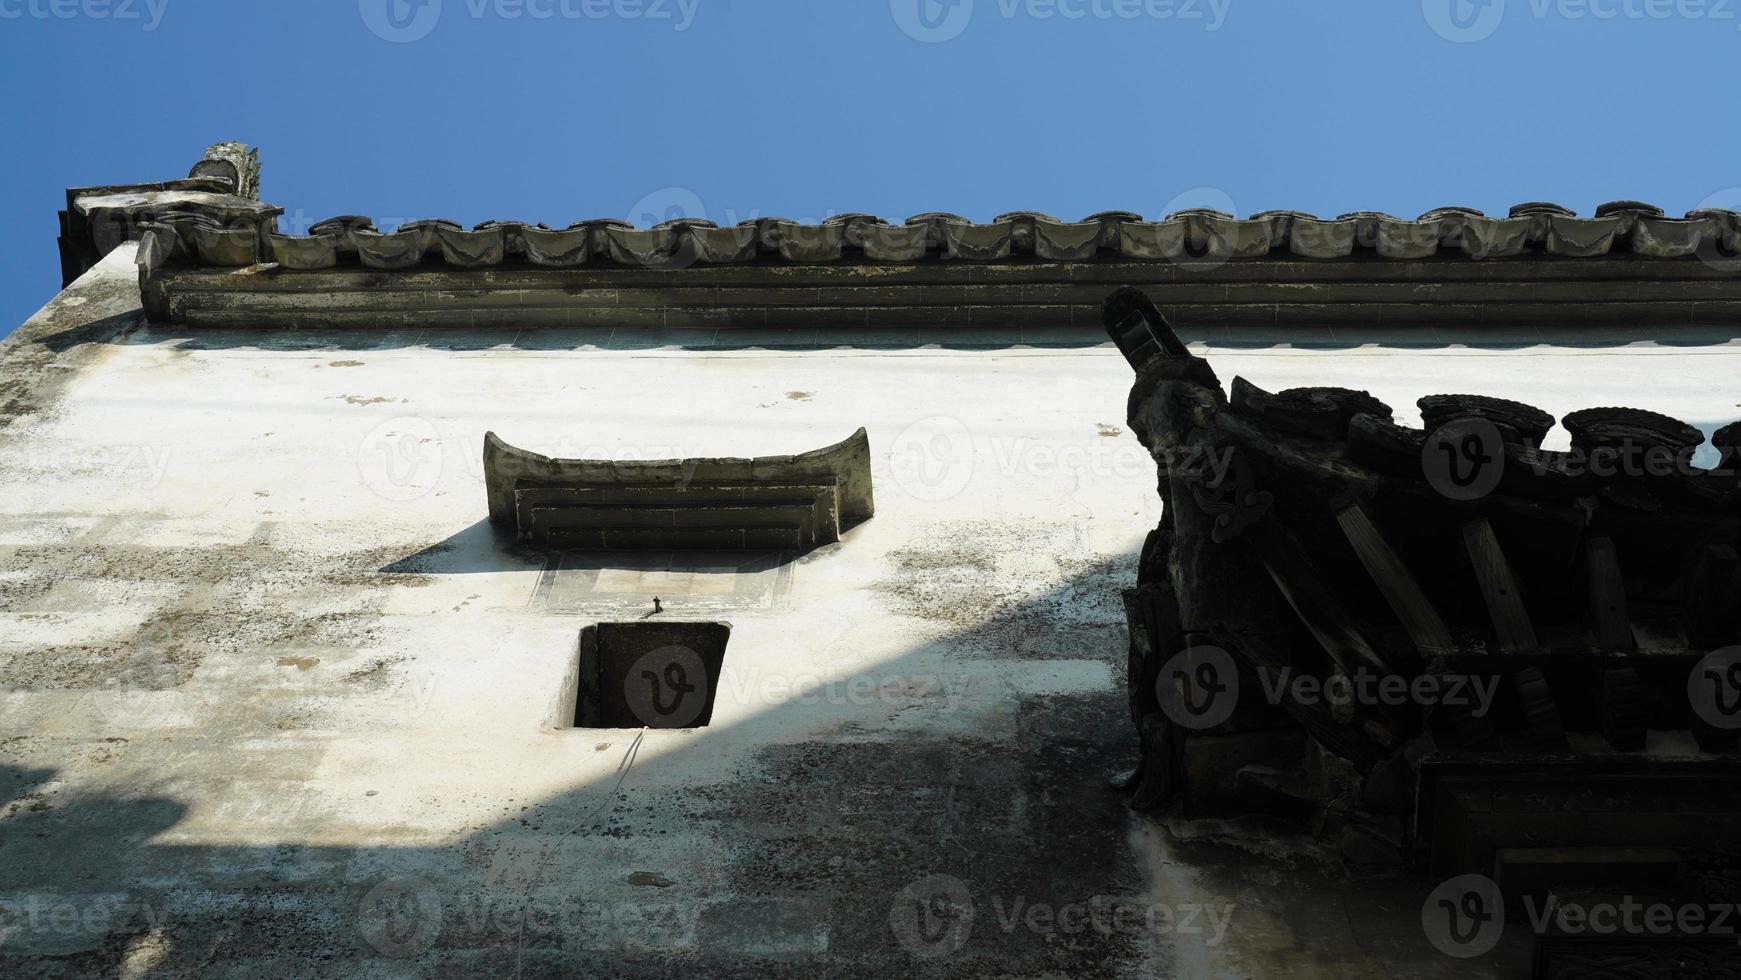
column 477, row 549
column 803, row 856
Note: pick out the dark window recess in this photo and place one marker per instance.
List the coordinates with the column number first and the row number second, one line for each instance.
column 649, row 675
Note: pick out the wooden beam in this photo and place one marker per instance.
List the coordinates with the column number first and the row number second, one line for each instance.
column 1397, row 584
column 1302, row 584
column 1624, row 709
column 1540, row 711
column 1365, row 742
column 1711, row 617
column 1499, row 588
column 1609, row 619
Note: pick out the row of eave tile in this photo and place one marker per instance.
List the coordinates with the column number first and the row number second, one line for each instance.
column 1618, row 226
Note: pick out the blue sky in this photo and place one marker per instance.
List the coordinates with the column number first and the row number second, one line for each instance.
column 556, row 110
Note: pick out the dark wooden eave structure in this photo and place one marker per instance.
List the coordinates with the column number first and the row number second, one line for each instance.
column 1327, row 300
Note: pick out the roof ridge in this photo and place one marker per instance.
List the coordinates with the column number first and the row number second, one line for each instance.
column 220, row 222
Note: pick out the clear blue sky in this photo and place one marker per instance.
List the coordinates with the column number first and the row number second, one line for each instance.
column 804, row 108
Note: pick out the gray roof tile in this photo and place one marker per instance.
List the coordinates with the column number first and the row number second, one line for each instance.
column 1625, row 226
column 215, row 229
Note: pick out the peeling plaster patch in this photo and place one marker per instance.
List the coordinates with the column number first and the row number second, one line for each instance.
column 157, row 613
column 17, row 588
column 323, row 541
column 188, row 533
column 149, row 662
column 995, row 580
column 144, row 954
column 375, row 671
column 84, row 611
column 1050, row 677
column 68, row 712
column 300, row 663
column 869, row 818
column 25, row 531
column 32, row 802
column 1109, row 431
column 20, row 631
column 800, row 396
column 345, row 364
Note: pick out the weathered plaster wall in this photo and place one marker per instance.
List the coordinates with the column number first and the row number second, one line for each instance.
column 263, row 663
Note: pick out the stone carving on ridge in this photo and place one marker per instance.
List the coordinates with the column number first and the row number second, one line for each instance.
column 217, row 204
column 771, row 503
